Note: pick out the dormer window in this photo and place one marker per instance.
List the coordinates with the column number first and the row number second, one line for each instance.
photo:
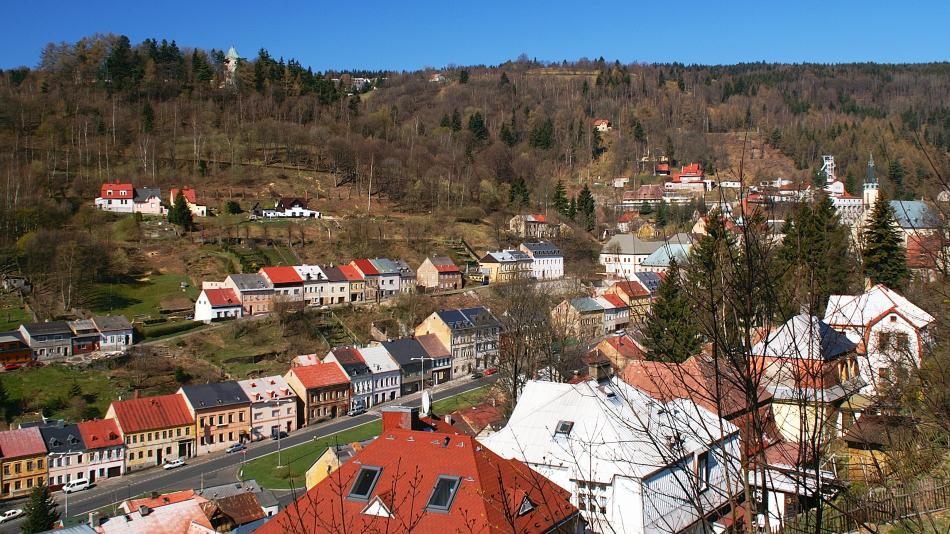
column 564, row 428
column 443, row 493
column 365, row 482
column 526, row 506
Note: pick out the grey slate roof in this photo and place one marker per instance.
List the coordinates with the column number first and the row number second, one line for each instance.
column 650, row 280
column 111, row 323
column 11, row 336
column 586, row 304
column 51, row 327
column 215, row 395
column 250, row 281
column 464, row 318
column 334, row 274
column 805, row 337
column 542, row 249
column 630, row 244
column 61, row 439
column 914, row 214
column 141, row 194
column 404, row 349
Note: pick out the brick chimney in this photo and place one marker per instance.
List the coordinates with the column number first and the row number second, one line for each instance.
column 400, row 417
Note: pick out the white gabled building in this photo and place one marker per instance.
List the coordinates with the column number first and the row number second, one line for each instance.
column 387, row 375
column 218, row 304
column 547, row 261
column 892, row 329
column 632, row 464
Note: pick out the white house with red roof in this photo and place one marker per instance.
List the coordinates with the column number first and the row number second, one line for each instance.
column 603, row 125
column 892, row 330
column 690, row 178
column 105, row 450
column 191, row 200
column 273, row 405
column 116, row 197
column 534, row 226
column 218, row 304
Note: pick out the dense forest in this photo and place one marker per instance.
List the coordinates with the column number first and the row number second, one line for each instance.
column 155, row 113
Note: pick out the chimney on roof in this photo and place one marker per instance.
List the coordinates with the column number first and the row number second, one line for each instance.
column 401, row 417
column 144, row 510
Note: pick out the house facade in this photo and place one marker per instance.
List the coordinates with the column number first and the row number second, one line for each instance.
column 581, row 317
column 616, row 313
column 255, row 291
column 148, row 201
column 439, row 366
column 323, row 390
column 65, row 453
column 22, row 462
column 116, row 197
column 273, row 406
column 49, row 341
column 85, row 336
column 222, row 414
column 470, row 334
column 154, row 430
column 356, row 285
column 411, row 356
column 505, row 266
column 534, row 226
column 623, row 253
column 218, row 304
column 115, row 333
column 287, row 284
column 387, row 376
column 314, row 283
column 361, row 378
column 13, row 350
column 338, row 290
column 439, row 273
column 105, row 451
column 191, row 200
column 547, row 261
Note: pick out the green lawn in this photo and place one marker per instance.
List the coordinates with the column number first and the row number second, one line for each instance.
column 47, row 388
column 298, row 459
column 142, row 297
column 12, row 315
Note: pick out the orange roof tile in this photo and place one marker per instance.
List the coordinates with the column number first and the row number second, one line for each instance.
column 320, row 375
column 222, row 297
column 100, row 433
column 352, row 274
column 282, row 275
column 151, row 413
column 21, row 442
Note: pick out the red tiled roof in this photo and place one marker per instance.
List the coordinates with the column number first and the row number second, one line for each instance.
column 631, row 289
column 365, row 266
column 351, row 273
column 447, row 268
column 242, row 508
column 615, row 300
column 626, row 347
column 190, row 194
column 21, row 442
column 665, row 167
column 162, row 500
column 100, row 433
column 222, row 297
column 282, row 275
column 539, row 218
column 598, row 122
column 411, row 463
column 150, row 413
column 115, row 188
column 320, row 375
column 434, row 348
column 628, row 216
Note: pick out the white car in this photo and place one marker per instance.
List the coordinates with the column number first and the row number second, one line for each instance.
column 77, row 485
column 10, row 515
column 173, row 464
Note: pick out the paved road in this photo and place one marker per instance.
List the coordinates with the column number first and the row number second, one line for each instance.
column 221, row 468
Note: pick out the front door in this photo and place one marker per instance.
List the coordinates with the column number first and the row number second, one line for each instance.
column 158, row 456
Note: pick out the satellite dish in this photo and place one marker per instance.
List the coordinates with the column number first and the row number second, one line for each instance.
column 426, row 402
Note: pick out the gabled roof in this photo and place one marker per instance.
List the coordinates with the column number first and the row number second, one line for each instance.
column 542, row 248
column 111, row 323
column 645, row 192
column 48, row 328
column 334, row 274
column 804, row 337
column 289, row 202
column 100, row 433
column 116, row 189
column 365, row 266
column 62, row 439
column 861, row 310
column 320, row 375
column 614, row 301
column 914, row 214
column 250, row 281
column 630, row 244
column 171, row 519
column 352, row 274
column 189, row 193
column 378, row 359
column 281, row 275
column 628, row 216
column 241, row 508
column 403, row 351
column 442, row 260
column 309, row 273
column 224, row 296
column 214, row 395
column 142, row 194
column 633, row 289
column 385, row 266
column 463, row 318
column 433, row 347
column 664, row 254
column 267, row 388
column 161, row 500
column 351, row 361
column 152, row 413
column 649, row 280
column 411, row 463
column 505, row 256
column 586, row 305
column 626, row 346
column 21, row 442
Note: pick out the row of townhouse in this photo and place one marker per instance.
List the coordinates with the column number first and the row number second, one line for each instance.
column 625, row 255
column 57, row 340
column 619, row 305
column 541, row 260
column 124, row 198
column 361, row 280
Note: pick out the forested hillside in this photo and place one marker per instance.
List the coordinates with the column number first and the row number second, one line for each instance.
column 163, row 115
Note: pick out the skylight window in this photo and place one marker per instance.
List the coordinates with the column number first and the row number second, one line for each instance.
column 365, row 482
column 443, row 493
column 526, row 506
column 564, row 428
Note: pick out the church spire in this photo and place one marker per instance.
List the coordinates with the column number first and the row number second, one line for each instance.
column 871, row 179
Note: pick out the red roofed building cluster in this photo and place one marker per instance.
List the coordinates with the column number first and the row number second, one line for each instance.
column 155, row 429
column 323, row 388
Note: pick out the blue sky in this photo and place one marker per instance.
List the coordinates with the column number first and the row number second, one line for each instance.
column 410, row 34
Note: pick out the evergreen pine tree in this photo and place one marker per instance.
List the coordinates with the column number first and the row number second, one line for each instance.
column 542, row 135
column 669, row 332
column 179, row 214
column 40, row 512
column 518, row 194
column 572, row 209
column 585, row 205
column 896, row 173
column 456, row 121
column 662, row 215
column 463, row 76
column 148, row 118
column 446, row 122
column 885, row 260
column 507, row 135
column 560, row 201
column 476, row 125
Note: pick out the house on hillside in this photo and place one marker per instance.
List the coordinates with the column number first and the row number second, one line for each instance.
column 191, row 200
column 633, row 464
column 439, row 273
column 387, row 376
column 148, row 201
column 356, row 284
column 603, row 125
column 892, row 330
column 547, row 261
column 105, row 451
column 581, row 317
column 627, row 220
column 413, row 362
column 646, row 194
column 85, row 336
column 920, row 228
column 65, row 452
column 439, row 364
column 314, row 283
column 361, row 377
column 620, row 350
column 459, row 484
column 616, row 313
column 534, row 226
column 49, row 341
column 13, row 350
column 506, row 266
column 116, row 197
column 287, row 284
column 220, row 304
column 23, row 462
column 115, row 333
column 222, row 413
column 254, row 291
column 470, row 334
column 634, row 294
column 286, row 207
column 341, row 289
column 622, row 254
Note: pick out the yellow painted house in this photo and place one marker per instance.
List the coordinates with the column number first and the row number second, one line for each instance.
column 505, row 266
column 330, row 461
column 23, row 461
column 155, row 430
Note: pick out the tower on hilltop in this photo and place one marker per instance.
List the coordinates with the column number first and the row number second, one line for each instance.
column 870, row 185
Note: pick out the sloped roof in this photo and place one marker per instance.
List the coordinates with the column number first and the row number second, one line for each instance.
column 161, row 500
column 215, row 395
column 111, row 323
column 667, row 252
column 351, row 273
column 352, row 362
column 385, row 266
column 650, row 280
column 62, row 439
column 433, row 347
column 403, row 351
column 626, row 346
column 805, row 337
column 142, row 194
column 645, row 192
column 281, row 275
column 310, row 272
column 614, row 301
column 586, row 304
column 151, row 413
column 49, row 327
column 462, row 318
column 100, row 433
column 224, row 296
column 250, row 281
column 860, row 310
column 21, row 442
column 320, row 375
column 334, row 274
column 267, row 387
column 914, row 214
column 241, row 508
column 542, row 248
column 630, row 244
column 378, row 359
column 504, row 256
column 171, row 519
column 365, row 266
column 488, row 484
column 633, row 289
column 115, row 188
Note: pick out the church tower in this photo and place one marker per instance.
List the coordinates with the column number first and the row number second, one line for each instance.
column 870, row 185
column 231, row 63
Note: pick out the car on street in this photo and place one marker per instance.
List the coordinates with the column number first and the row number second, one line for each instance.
column 12, row 366
column 10, row 515
column 476, row 375
column 173, row 464
column 237, row 447
column 490, row 371
column 276, row 435
column 77, row 485
column 356, row 411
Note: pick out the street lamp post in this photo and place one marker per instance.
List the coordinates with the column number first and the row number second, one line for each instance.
column 423, row 360
column 279, row 402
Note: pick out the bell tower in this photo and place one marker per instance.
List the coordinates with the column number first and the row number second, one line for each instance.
column 870, row 185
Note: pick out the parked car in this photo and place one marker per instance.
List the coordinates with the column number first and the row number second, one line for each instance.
column 173, row 464
column 237, row 447
column 490, row 371
column 356, row 411
column 10, row 515
column 476, row 375
column 12, row 366
column 77, row 485
column 275, row 435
